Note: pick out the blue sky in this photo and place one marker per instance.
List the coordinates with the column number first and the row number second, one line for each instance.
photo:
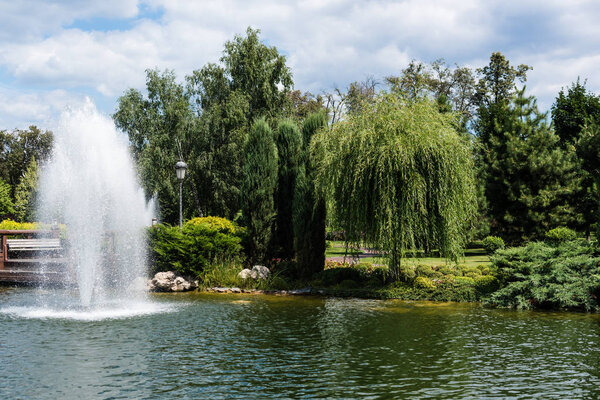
column 55, row 54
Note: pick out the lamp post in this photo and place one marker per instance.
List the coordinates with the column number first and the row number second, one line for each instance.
column 180, row 168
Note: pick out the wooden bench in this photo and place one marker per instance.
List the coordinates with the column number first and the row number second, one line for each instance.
column 29, row 244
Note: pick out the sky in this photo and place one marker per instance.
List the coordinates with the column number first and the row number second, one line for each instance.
column 55, row 54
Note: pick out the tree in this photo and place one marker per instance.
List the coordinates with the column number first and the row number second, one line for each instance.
column 161, row 131
column 258, row 188
column 496, row 86
column 6, row 203
column 588, row 150
column 530, row 178
column 18, row 148
column 26, row 194
column 205, row 122
column 309, row 210
column 572, row 109
column 570, row 113
column 399, row 177
column 289, row 144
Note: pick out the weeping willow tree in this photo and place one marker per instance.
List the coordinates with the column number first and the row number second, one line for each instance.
column 398, row 177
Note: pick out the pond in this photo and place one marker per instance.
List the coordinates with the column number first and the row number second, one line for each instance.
column 258, row 346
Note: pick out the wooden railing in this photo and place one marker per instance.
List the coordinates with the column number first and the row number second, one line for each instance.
column 29, row 235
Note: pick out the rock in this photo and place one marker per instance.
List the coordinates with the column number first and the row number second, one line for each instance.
column 170, row 282
column 299, row 292
column 235, row 290
column 261, row 271
column 245, row 274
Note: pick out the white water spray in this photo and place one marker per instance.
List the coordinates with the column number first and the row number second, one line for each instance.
column 90, row 185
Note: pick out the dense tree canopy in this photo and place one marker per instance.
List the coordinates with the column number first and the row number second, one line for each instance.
column 399, row 177
column 258, row 188
column 530, row 179
column 204, row 122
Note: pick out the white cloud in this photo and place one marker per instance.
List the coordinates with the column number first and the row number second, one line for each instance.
column 327, row 42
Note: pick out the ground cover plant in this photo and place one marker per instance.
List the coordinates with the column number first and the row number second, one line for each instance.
column 564, row 275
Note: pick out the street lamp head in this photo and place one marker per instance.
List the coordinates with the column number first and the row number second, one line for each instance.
column 180, row 168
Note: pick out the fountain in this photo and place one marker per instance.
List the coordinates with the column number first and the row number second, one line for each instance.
column 90, row 185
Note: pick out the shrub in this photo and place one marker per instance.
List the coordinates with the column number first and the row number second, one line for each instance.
column 424, row 270
column 348, row 284
column 218, row 224
column 423, row 282
column 486, row 283
column 191, row 249
column 560, row 234
column 334, row 276
column 540, row 275
column 492, row 243
column 406, row 273
column 464, row 281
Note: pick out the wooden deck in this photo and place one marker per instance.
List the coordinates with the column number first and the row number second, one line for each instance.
column 49, row 267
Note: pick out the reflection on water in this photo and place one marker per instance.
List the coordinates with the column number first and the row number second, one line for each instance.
column 237, row 346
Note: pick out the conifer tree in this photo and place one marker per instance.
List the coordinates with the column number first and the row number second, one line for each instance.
column 258, row 188
column 289, row 146
column 26, row 193
column 309, row 208
column 530, row 178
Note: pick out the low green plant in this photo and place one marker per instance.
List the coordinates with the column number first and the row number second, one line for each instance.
column 194, row 247
column 560, row 234
column 540, row 275
column 492, row 243
column 424, row 270
column 486, row 284
column 423, row 282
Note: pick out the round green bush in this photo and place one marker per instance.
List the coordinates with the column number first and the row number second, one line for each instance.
column 423, row 282
column 560, row 234
column 406, row 273
column 424, row 270
column 486, row 284
column 464, row 281
column 492, row 243
column 348, row 284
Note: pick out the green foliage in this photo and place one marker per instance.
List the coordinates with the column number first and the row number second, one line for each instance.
column 423, row 282
column 571, row 113
column 588, row 151
column 309, row 210
column 560, row 234
column 289, row 146
column 492, row 243
column 540, row 275
column 6, row 204
column 398, row 176
column 258, row 188
column 204, row 122
column 192, row 249
column 9, row 224
column 17, row 150
column 530, row 177
column 486, row 284
column 219, row 224
column 26, row 193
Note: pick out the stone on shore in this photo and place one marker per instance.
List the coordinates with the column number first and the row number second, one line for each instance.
column 257, row 272
column 169, row 281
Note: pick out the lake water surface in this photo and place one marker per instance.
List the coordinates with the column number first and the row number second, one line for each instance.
column 256, row 346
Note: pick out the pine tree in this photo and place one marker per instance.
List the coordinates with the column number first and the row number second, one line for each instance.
column 258, row 188
column 289, row 145
column 26, row 193
column 530, row 178
column 309, row 208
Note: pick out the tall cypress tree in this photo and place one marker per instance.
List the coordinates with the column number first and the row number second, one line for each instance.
column 289, row 146
column 258, row 187
column 309, row 208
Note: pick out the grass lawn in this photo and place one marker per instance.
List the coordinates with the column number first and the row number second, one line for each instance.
column 472, row 257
